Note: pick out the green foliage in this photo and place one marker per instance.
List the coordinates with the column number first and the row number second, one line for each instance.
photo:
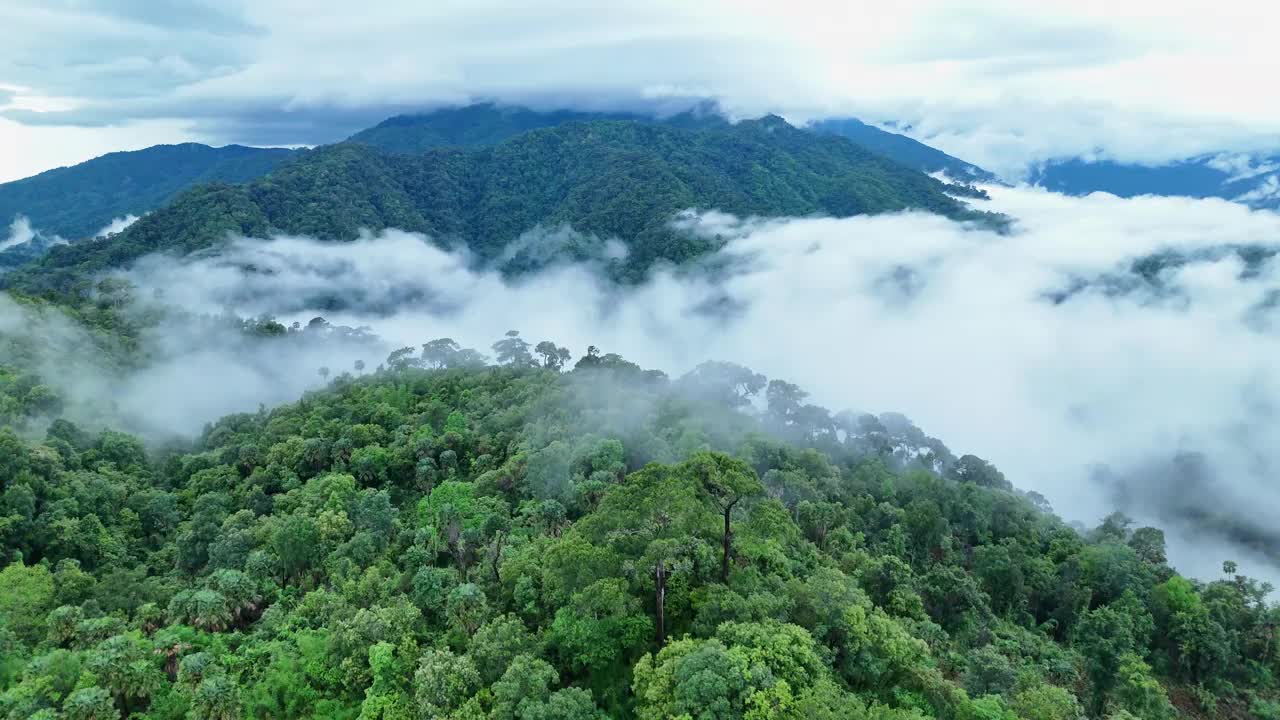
column 75, row 202
column 622, row 179
column 531, row 543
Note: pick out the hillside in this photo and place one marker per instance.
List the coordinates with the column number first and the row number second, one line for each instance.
column 902, row 149
column 75, row 202
column 487, row 124
column 444, row 539
column 1201, row 177
column 607, row 179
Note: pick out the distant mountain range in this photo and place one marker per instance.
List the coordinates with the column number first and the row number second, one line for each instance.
column 606, row 179
column 78, row 201
column 257, row 190
column 902, row 149
column 1255, row 182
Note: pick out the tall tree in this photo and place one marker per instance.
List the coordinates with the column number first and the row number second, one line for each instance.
column 728, row 482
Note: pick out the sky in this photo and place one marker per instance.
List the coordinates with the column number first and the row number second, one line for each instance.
column 1001, row 84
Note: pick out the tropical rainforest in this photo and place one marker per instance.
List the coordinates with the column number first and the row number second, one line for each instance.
column 519, row 532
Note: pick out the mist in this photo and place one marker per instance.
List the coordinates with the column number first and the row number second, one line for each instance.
column 20, row 233
column 190, row 370
column 116, row 225
column 1020, row 347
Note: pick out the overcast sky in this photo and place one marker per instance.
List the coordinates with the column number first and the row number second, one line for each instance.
column 1002, row 84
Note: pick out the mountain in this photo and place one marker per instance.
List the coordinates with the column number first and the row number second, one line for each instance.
column 487, row 124
column 605, row 178
column 76, row 202
column 1255, row 182
column 902, row 149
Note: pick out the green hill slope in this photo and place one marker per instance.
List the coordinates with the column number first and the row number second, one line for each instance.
column 610, row 179
column 75, row 202
column 518, row 542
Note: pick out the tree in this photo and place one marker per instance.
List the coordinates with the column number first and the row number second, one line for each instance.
column 1148, row 543
column 527, row 682
column 1107, row 636
column 1046, row 702
column 728, row 482
column 724, row 382
column 599, row 626
column 440, row 353
column 217, row 698
column 553, row 357
column 125, row 665
column 785, row 400
column 497, row 643
column 402, row 359
column 973, row 469
column 443, row 682
column 26, row 595
column 297, row 545
column 90, row 703
column 1137, row 691
column 513, row 351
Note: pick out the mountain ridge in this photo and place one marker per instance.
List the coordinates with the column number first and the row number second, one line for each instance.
column 1257, row 184
column 76, row 201
column 604, row 178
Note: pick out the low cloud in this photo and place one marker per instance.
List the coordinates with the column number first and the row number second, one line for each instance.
column 116, row 225
column 24, row 242
column 20, row 233
column 952, row 325
column 1087, row 396
column 190, row 369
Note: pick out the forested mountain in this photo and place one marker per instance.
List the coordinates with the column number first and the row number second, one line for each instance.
column 527, row 537
column 486, row 124
column 1255, row 182
column 902, row 149
column 605, row 179
column 76, row 202
column 444, row 539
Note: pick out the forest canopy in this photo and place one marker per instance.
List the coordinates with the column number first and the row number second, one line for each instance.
column 539, row 538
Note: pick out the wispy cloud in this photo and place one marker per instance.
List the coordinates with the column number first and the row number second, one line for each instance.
column 954, row 326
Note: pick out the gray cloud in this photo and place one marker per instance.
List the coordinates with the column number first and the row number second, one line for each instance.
column 1000, row 84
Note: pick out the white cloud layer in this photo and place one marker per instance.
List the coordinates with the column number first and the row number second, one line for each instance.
column 909, row 312
column 20, row 233
column 116, row 225
column 1001, row 84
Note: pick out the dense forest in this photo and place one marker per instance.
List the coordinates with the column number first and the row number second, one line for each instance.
column 605, row 179
column 511, row 533
column 441, row 537
column 75, row 202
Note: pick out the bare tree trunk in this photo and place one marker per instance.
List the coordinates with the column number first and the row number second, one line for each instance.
column 660, row 576
column 728, row 544
column 497, row 556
